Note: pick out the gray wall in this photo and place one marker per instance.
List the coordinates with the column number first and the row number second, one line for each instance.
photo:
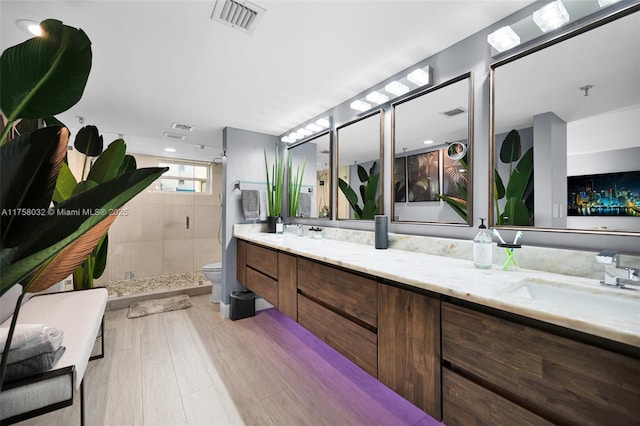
column 245, row 162
column 471, row 54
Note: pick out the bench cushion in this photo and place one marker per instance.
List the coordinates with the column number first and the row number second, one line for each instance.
column 79, row 314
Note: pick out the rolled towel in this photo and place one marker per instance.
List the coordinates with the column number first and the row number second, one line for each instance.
column 50, row 341
column 21, row 335
column 37, row 364
column 250, row 204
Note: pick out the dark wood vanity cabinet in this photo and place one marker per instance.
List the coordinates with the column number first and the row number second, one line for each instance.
column 340, row 308
column 270, row 274
column 497, row 370
column 409, row 346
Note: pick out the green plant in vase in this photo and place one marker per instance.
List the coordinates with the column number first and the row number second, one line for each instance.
column 368, row 191
column 275, row 188
column 518, row 208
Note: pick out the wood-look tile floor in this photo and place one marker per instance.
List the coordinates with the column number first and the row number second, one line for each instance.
column 193, row 367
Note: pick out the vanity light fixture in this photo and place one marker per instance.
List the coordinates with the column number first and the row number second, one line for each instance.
column 503, row 39
column 29, row 26
column 287, row 139
column 359, row 105
column 396, row 88
column 605, row 3
column 307, row 129
column 551, row 16
column 304, row 132
column 323, row 122
column 419, row 77
column 377, row 97
column 314, row 127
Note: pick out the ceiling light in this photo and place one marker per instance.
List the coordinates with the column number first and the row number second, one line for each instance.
column 604, row 3
column 323, row 122
column 176, row 136
column 396, row 88
column 294, row 136
column 377, row 97
column 360, row 105
column 314, row 127
column 29, row 26
column 170, row 149
column 428, row 142
column 503, row 39
column 287, row 139
column 419, row 77
column 551, row 16
column 304, row 132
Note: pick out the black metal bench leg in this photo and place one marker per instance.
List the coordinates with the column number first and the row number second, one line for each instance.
column 82, row 403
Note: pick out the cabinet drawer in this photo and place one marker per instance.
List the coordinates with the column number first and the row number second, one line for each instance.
column 266, row 287
column 466, row 403
column 353, row 341
column 349, row 293
column 262, row 259
column 563, row 380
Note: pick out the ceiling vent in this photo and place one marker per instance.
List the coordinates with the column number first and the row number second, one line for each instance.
column 175, row 136
column 239, row 14
column 454, row 112
column 183, row 127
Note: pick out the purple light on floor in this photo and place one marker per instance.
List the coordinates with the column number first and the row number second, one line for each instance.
column 406, row 412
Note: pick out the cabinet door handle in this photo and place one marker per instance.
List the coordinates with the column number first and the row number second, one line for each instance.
column 187, row 222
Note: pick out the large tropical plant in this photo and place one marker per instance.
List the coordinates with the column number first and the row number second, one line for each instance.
column 42, row 243
column 518, row 207
column 368, row 190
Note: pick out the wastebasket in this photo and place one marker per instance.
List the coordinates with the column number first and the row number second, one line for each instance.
column 243, row 304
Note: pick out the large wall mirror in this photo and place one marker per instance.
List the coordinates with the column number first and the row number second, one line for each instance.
column 359, row 145
column 432, row 134
column 310, row 189
column 566, row 149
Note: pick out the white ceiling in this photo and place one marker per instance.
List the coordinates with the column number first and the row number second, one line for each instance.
column 159, row 62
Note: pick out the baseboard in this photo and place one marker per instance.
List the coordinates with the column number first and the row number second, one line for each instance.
column 224, row 310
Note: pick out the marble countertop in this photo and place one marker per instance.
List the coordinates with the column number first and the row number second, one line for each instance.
column 577, row 303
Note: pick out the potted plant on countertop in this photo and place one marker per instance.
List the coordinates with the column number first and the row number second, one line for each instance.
column 275, row 188
column 42, row 77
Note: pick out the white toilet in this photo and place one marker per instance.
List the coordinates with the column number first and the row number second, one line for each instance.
column 213, row 272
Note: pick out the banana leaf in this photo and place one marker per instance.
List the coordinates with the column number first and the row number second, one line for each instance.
column 351, row 197
column 459, row 205
column 89, row 141
column 511, row 148
column 516, row 212
column 520, row 177
column 65, row 184
column 45, row 75
column 108, row 164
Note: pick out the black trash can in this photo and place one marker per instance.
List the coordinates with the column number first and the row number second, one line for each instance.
column 243, row 304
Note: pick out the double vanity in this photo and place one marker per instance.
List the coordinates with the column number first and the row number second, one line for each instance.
column 463, row 344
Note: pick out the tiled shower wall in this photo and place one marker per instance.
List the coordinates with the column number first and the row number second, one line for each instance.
column 150, row 237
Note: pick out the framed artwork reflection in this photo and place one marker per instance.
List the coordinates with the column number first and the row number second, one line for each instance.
column 606, row 194
column 400, row 179
column 423, row 176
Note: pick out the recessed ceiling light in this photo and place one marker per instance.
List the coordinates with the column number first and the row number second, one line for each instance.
column 377, row 97
column 396, row 88
column 503, row 39
column 29, row 26
column 428, row 142
column 170, row 149
column 551, row 16
column 419, row 77
column 360, row 105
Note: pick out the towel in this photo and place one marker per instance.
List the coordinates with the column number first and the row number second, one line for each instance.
column 264, row 205
column 21, row 335
column 250, row 204
column 50, row 341
column 37, row 364
column 304, row 204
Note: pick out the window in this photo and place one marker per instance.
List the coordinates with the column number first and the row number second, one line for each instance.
column 184, row 176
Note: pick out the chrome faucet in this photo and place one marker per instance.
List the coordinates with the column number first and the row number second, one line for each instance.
column 614, row 274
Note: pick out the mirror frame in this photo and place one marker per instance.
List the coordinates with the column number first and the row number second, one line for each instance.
column 381, row 160
column 492, row 149
column 302, row 142
column 469, row 149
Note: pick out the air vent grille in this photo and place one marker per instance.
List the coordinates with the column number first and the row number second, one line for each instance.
column 454, row 112
column 183, row 127
column 241, row 15
column 175, row 136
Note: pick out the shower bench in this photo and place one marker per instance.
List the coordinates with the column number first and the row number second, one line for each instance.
column 80, row 315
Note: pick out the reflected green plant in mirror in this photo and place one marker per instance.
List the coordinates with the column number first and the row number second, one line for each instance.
column 295, row 185
column 518, row 209
column 368, row 191
column 458, row 204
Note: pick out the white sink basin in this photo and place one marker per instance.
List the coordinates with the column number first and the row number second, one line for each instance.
column 592, row 299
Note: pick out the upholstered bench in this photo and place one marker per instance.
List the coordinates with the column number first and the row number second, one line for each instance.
column 80, row 314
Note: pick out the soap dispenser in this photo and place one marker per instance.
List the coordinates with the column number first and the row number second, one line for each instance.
column 482, row 248
column 279, row 226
